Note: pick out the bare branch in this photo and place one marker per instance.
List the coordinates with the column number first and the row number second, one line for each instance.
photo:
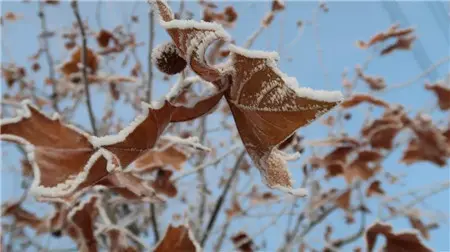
column 76, row 12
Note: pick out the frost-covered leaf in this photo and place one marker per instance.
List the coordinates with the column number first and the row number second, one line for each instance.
column 395, row 242
column 82, row 217
column 178, row 239
column 118, row 241
column 268, row 107
column 129, row 187
column 168, row 154
column 63, row 159
column 192, row 39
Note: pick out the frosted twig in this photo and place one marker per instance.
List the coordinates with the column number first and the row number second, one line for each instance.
column 203, row 166
column 74, row 5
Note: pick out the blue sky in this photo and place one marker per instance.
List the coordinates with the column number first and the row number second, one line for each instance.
column 338, row 31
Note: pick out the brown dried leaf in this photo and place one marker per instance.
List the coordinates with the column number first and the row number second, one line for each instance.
column 268, row 108
column 443, row 94
column 103, row 38
column 343, row 201
column 374, row 82
column 402, row 43
column 82, row 217
column 417, row 224
column 169, row 156
column 243, row 242
column 360, row 98
column 374, row 188
column 64, row 160
column 178, row 239
column 277, row 5
column 405, row 241
column 234, row 210
column 429, row 145
column 118, row 241
column 72, row 66
column 392, row 32
column 163, row 184
column 129, row 186
column 22, row 217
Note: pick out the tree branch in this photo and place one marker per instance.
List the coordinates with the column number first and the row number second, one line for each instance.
column 74, row 5
column 150, row 49
column 221, row 199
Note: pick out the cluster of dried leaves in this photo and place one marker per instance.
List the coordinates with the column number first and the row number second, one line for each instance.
column 84, row 177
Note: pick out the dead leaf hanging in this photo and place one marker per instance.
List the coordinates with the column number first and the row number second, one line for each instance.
column 178, row 239
column 443, row 94
column 395, row 242
column 268, row 107
column 82, row 217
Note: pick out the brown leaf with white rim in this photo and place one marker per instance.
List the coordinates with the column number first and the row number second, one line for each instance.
column 268, row 107
column 82, row 217
column 63, row 159
column 178, row 239
column 402, row 241
column 118, row 241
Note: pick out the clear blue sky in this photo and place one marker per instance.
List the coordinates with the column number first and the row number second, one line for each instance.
column 345, row 23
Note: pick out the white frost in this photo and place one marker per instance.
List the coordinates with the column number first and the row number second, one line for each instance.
column 254, row 54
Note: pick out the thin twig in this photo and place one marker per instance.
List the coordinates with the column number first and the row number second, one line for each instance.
column 48, row 56
column 150, row 49
column 154, row 222
column 74, row 5
column 221, row 199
